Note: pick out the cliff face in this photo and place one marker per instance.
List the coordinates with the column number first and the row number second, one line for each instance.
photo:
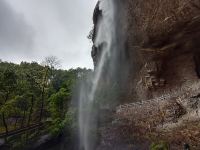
column 162, row 47
column 161, row 43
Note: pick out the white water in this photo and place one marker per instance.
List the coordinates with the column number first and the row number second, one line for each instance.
column 105, row 34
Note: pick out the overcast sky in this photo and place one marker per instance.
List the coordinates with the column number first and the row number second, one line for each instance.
column 30, row 30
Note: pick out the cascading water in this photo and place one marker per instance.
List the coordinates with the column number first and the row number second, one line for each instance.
column 106, row 39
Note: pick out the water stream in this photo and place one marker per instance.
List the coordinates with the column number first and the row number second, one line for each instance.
column 87, row 112
column 108, row 75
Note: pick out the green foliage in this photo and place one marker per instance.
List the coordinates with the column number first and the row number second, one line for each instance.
column 30, row 92
column 9, row 108
column 58, row 108
column 159, row 146
column 61, row 116
column 22, row 102
column 8, row 83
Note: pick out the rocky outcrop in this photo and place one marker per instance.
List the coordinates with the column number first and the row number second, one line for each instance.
column 96, row 51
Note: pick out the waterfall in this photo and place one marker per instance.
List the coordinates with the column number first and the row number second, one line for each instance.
column 106, row 36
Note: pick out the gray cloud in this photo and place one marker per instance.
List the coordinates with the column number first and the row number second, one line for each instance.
column 47, row 27
column 15, row 33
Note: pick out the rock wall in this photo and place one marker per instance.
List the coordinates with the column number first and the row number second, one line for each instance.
column 161, row 45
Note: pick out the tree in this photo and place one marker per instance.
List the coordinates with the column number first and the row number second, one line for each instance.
column 7, row 110
column 58, row 105
column 31, row 92
column 43, row 86
column 8, row 82
column 22, row 103
column 52, row 62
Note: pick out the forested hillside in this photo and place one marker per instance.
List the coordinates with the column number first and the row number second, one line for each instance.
column 36, row 100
